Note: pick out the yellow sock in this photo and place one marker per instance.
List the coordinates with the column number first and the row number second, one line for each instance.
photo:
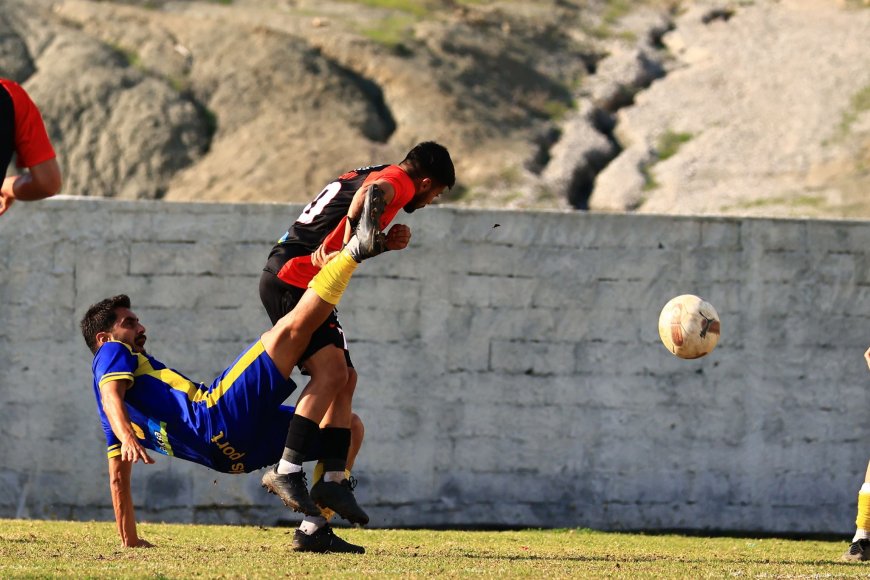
column 331, row 282
column 862, row 522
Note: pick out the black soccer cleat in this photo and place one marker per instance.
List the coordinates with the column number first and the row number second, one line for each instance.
column 368, row 240
column 339, row 498
column 292, row 488
column 859, row 551
column 323, row 541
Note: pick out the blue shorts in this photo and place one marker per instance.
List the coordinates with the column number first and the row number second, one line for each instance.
column 248, row 422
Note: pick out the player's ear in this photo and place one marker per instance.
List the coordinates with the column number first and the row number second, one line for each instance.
column 425, row 184
column 103, row 338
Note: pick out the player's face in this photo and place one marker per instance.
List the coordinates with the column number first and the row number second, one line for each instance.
column 427, row 191
column 129, row 330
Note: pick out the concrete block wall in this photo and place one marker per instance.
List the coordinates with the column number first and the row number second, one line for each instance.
column 510, row 366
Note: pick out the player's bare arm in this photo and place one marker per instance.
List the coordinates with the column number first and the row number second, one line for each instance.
column 120, row 474
column 39, row 182
column 42, row 181
column 867, row 357
column 355, row 209
column 398, row 236
column 120, row 468
column 112, row 393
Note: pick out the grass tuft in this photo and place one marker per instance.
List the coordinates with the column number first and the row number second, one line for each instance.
column 670, row 142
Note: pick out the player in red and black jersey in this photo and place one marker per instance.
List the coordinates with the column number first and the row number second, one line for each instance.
column 22, row 132
column 325, row 224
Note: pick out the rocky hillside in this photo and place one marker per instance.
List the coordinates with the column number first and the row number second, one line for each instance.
column 741, row 107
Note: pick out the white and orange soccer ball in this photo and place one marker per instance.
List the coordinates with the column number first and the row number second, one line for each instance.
column 689, row 326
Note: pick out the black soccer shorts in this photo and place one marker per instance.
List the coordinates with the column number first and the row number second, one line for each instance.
column 279, row 298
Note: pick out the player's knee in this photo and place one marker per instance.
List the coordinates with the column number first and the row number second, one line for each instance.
column 350, row 384
column 334, row 377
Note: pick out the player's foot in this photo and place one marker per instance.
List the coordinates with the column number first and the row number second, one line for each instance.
column 323, row 540
column 369, row 240
column 339, row 498
column 858, row 551
column 292, row 488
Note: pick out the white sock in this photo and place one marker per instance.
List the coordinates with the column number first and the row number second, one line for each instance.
column 285, row 467
column 311, row 524
column 336, row 476
column 860, row 535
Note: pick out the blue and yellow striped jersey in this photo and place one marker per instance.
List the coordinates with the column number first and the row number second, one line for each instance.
column 236, row 425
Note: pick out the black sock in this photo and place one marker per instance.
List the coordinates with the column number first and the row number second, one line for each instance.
column 336, row 444
column 300, row 435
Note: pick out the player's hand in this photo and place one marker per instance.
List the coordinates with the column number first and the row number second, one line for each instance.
column 398, row 237
column 320, row 257
column 132, row 451
column 6, row 200
column 867, row 357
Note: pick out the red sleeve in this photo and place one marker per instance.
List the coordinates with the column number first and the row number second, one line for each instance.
column 31, row 141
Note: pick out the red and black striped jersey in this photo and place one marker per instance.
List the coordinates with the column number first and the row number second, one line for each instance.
column 323, row 221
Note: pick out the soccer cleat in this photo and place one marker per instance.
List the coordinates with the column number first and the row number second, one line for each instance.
column 858, row 551
column 368, row 241
column 323, row 541
column 292, row 488
column 339, row 498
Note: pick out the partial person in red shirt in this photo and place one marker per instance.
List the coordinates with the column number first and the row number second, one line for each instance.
column 22, row 133
column 324, row 407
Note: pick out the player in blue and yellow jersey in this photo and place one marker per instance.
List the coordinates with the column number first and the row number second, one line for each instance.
column 235, row 425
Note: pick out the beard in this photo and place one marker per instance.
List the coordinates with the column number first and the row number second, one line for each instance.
column 412, row 205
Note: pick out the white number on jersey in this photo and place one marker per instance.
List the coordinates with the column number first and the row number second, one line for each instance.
column 313, row 209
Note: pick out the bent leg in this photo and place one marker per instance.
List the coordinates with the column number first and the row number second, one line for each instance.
column 329, row 376
column 339, row 412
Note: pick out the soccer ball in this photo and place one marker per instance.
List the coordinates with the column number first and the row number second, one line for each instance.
column 689, row 326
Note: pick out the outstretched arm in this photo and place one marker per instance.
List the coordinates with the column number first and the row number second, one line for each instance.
column 120, row 468
column 120, row 473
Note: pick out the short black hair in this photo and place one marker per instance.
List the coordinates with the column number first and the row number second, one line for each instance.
column 101, row 317
column 429, row 159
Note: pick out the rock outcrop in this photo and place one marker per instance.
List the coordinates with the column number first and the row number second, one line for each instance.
column 711, row 107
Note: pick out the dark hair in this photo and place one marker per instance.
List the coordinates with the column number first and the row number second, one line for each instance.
column 101, row 317
column 429, row 159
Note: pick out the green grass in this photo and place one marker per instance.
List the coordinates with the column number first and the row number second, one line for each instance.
column 667, row 146
column 670, row 142
column 71, row 549
column 393, row 32
column 789, row 200
column 413, row 7
column 858, row 104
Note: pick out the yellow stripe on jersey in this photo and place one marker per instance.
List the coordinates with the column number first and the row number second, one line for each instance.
column 165, row 439
column 197, row 393
column 115, row 377
column 234, row 373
